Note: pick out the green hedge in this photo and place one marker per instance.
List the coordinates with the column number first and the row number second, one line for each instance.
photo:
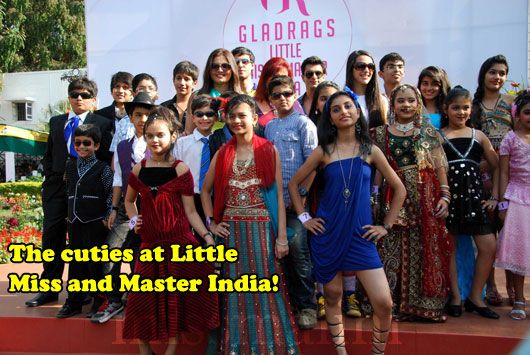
column 29, row 187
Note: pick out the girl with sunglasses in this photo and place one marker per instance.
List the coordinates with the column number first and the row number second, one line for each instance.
column 221, row 74
column 360, row 78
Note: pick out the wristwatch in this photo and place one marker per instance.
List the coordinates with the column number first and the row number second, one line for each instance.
column 302, row 191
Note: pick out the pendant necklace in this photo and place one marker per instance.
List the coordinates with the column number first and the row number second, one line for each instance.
column 404, row 127
column 346, row 193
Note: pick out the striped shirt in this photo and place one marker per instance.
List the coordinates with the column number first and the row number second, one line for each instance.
column 295, row 137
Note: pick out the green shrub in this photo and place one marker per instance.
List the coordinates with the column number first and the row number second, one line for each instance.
column 29, row 187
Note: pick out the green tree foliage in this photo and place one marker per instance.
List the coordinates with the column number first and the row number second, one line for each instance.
column 41, row 35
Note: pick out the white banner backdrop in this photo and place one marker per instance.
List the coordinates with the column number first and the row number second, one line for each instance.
column 152, row 36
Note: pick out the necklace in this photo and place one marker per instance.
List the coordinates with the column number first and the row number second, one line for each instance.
column 404, row 127
column 494, row 106
column 346, row 193
column 241, row 168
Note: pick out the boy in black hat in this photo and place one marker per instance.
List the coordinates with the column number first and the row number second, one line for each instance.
column 89, row 190
column 128, row 153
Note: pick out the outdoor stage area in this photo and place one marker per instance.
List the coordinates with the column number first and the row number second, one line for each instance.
column 36, row 331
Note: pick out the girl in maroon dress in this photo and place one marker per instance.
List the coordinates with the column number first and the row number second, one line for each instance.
column 167, row 210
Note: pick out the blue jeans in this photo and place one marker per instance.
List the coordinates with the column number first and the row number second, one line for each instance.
column 298, row 267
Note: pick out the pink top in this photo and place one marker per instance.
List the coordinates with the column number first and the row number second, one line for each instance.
column 518, row 189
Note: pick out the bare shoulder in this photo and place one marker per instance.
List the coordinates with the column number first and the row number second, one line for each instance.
column 181, row 168
column 508, row 98
column 136, row 169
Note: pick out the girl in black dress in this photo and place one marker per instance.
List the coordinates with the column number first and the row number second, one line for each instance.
column 465, row 147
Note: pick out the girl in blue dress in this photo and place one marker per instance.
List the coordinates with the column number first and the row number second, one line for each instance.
column 343, row 234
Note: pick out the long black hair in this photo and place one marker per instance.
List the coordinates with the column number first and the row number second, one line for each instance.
column 314, row 113
column 372, row 93
column 327, row 133
column 439, row 77
column 479, row 94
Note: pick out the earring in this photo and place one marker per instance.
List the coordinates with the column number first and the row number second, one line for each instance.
column 358, row 128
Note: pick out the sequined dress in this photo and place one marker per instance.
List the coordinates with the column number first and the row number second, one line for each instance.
column 253, row 323
column 416, row 252
column 466, row 215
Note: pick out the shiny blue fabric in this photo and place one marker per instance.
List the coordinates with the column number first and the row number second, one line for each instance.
column 341, row 247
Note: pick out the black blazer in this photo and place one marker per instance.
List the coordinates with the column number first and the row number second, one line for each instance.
column 56, row 155
column 109, row 112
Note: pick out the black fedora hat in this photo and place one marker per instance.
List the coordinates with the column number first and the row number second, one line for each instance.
column 142, row 99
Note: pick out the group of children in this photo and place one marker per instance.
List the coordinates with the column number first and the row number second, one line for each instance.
column 337, row 186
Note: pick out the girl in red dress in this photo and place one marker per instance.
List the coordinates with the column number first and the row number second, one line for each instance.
column 167, row 210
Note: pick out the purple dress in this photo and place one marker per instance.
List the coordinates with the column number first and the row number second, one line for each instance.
column 513, row 252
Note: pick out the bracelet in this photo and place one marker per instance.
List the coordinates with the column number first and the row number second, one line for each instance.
column 445, row 199
column 493, row 198
column 375, row 189
column 206, row 234
column 304, row 217
column 114, row 208
column 208, row 221
column 388, row 227
column 132, row 222
column 503, row 206
column 282, row 244
column 486, row 176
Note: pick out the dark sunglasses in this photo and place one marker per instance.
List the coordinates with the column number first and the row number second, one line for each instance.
column 244, row 61
column 309, row 74
column 85, row 142
column 199, row 114
column 362, row 66
column 225, row 66
column 84, row 95
column 277, row 95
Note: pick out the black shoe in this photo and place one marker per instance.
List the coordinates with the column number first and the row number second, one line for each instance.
column 42, row 298
column 68, row 311
column 454, row 310
column 485, row 312
column 87, row 299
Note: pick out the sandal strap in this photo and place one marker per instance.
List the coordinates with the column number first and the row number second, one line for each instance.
column 520, row 303
column 340, row 334
column 377, row 341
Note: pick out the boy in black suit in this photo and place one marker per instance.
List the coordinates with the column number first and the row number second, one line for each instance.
column 121, row 91
column 82, row 96
column 89, row 189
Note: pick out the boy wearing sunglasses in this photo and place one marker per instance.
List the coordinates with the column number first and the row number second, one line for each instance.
column 245, row 63
column 295, row 137
column 89, row 191
column 194, row 149
column 82, row 97
column 313, row 73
